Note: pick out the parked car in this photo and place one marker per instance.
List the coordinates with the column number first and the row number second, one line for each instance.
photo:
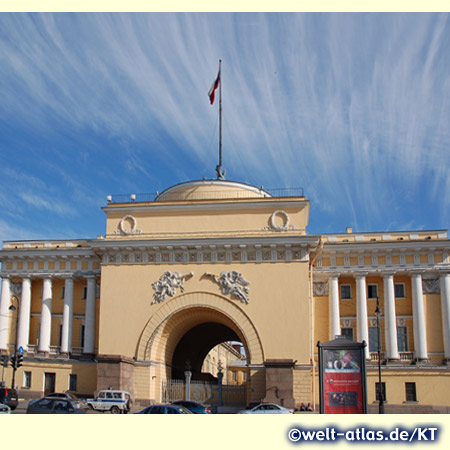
column 267, row 408
column 4, row 409
column 194, row 407
column 67, row 395
column 9, row 397
column 165, row 409
column 116, row 402
column 52, row 405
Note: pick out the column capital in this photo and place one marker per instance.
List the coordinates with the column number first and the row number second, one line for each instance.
column 388, row 274
column 68, row 276
column 359, row 275
column 334, row 275
column 47, row 276
column 415, row 273
column 90, row 276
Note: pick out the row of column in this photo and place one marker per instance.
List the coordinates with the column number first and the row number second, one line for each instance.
column 23, row 325
column 390, row 321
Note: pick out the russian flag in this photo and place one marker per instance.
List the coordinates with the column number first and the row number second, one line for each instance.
column 214, row 86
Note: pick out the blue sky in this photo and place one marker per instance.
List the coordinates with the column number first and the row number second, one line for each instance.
column 354, row 108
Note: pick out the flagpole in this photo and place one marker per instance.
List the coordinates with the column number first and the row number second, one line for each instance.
column 220, row 114
column 220, row 172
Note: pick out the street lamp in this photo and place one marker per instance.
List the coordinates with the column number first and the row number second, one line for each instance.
column 219, row 382
column 380, row 390
column 14, row 358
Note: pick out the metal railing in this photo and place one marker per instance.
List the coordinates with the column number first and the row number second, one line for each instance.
column 404, row 356
column 204, row 392
column 206, row 195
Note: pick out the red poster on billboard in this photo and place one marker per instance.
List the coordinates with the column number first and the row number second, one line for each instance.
column 342, row 378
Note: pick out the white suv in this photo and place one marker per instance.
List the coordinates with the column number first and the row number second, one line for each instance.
column 111, row 400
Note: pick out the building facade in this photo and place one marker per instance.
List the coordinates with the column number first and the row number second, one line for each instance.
column 214, row 261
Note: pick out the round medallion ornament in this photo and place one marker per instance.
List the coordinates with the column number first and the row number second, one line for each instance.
column 284, row 217
column 124, row 229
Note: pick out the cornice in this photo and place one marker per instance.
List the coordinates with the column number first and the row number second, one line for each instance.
column 277, row 239
column 385, row 246
column 52, row 274
column 322, row 274
column 46, row 253
column 207, row 205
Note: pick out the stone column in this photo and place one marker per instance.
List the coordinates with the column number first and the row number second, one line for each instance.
column 46, row 317
column 420, row 333
column 390, row 320
column 89, row 318
column 445, row 308
column 66, row 334
column 5, row 302
column 187, row 375
column 23, row 333
column 362, row 324
column 333, row 296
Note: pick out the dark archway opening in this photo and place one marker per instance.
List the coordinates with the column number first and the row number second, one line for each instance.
column 193, row 347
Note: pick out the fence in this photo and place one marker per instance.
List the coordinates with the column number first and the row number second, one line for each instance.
column 204, row 392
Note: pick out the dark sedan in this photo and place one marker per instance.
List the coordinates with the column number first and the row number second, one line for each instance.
column 49, row 405
column 9, row 397
column 194, row 407
column 165, row 409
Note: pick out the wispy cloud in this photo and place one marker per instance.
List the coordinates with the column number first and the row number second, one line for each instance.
column 353, row 107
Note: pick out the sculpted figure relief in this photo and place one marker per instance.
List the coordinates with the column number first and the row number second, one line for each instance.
column 167, row 285
column 232, row 283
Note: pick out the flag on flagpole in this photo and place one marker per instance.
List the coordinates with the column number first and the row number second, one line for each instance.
column 214, row 86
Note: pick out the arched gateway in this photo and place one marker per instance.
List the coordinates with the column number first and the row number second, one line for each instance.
column 186, row 328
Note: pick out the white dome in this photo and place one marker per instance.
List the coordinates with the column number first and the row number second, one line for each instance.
column 210, row 190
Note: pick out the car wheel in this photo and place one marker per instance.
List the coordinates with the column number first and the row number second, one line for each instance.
column 115, row 410
column 91, row 407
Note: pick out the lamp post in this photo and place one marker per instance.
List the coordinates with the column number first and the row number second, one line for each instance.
column 219, row 382
column 14, row 358
column 380, row 391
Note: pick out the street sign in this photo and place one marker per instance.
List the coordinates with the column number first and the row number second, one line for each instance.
column 20, row 350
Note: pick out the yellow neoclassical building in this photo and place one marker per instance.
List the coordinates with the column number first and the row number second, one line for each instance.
column 214, row 261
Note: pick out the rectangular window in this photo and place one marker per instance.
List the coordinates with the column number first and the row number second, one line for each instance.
column 63, row 291
column 84, row 293
column 27, row 380
column 372, row 290
column 347, row 333
column 411, row 392
column 402, row 339
column 82, row 336
column 234, row 376
column 373, row 339
column 346, row 292
column 383, row 391
column 72, row 382
column 399, row 290
column 60, row 336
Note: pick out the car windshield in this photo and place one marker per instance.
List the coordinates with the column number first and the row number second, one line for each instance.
column 44, row 403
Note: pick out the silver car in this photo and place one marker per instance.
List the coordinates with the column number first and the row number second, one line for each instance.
column 4, row 409
column 267, row 408
column 117, row 402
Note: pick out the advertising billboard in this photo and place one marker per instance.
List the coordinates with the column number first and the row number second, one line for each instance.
column 342, row 377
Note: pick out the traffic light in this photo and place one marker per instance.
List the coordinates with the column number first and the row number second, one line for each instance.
column 13, row 362
column 19, row 360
